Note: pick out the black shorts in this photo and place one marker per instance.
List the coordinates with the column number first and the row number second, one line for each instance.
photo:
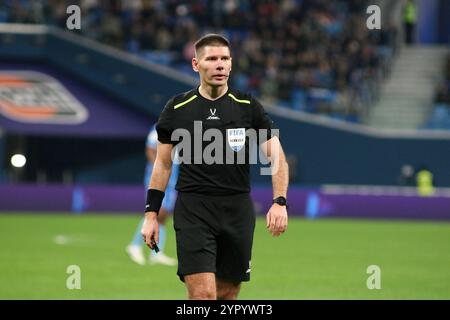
column 214, row 234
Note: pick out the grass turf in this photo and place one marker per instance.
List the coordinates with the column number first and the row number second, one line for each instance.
column 320, row 259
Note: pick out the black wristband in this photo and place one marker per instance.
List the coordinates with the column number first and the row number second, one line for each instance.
column 154, row 200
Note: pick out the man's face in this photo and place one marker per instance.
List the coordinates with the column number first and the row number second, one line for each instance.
column 213, row 63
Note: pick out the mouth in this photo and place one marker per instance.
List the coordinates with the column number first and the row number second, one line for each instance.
column 219, row 76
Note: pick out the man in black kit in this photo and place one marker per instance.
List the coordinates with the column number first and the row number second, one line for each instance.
column 214, row 217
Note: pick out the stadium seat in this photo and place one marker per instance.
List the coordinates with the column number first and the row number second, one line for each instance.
column 440, row 112
column 298, row 100
column 159, row 57
column 3, row 16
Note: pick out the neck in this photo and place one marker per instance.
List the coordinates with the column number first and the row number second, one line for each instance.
column 212, row 93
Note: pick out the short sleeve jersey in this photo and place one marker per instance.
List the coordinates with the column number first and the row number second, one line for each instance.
column 213, row 139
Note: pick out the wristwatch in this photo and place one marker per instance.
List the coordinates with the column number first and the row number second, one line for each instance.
column 281, row 201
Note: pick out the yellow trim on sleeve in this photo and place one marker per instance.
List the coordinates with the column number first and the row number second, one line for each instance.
column 238, row 100
column 185, row 102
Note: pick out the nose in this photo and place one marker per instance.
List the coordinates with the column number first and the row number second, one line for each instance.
column 220, row 64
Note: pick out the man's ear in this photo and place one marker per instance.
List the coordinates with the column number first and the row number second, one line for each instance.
column 195, row 64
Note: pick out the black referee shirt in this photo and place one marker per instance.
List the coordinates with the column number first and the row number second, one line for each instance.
column 233, row 114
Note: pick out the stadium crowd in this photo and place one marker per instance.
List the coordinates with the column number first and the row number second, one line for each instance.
column 311, row 55
column 440, row 117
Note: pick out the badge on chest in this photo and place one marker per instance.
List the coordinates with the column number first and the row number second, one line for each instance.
column 236, row 138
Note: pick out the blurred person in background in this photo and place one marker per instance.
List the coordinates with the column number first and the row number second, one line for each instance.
column 134, row 249
column 410, row 19
column 424, row 178
column 406, row 177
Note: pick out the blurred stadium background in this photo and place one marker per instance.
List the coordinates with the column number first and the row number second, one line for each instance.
column 364, row 118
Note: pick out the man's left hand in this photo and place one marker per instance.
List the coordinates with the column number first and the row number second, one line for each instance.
column 277, row 219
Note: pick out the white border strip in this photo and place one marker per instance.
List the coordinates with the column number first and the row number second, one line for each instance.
column 23, row 28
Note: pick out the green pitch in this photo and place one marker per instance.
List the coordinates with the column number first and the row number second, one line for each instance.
column 320, row 259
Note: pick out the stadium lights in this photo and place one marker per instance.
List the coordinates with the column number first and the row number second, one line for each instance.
column 18, row 160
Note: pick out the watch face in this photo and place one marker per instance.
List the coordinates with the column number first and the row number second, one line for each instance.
column 281, row 201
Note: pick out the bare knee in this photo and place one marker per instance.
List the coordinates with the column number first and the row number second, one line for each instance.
column 228, row 294
column 202, row 294
column 201, row 286
column 227, row 290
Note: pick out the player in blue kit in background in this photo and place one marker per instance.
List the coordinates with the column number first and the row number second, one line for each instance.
column 134, row 249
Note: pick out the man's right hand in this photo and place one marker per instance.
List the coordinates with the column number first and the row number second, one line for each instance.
column 150, row 229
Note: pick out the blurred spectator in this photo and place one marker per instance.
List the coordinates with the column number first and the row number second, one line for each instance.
column 410, row 19
column 442, row 95
column 440, row 115
column 424, row 178
column 406, row 177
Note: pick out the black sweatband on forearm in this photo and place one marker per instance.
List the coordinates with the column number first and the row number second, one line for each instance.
column 154, row 200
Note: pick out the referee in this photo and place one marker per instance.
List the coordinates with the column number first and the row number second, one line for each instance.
column 214, row 217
